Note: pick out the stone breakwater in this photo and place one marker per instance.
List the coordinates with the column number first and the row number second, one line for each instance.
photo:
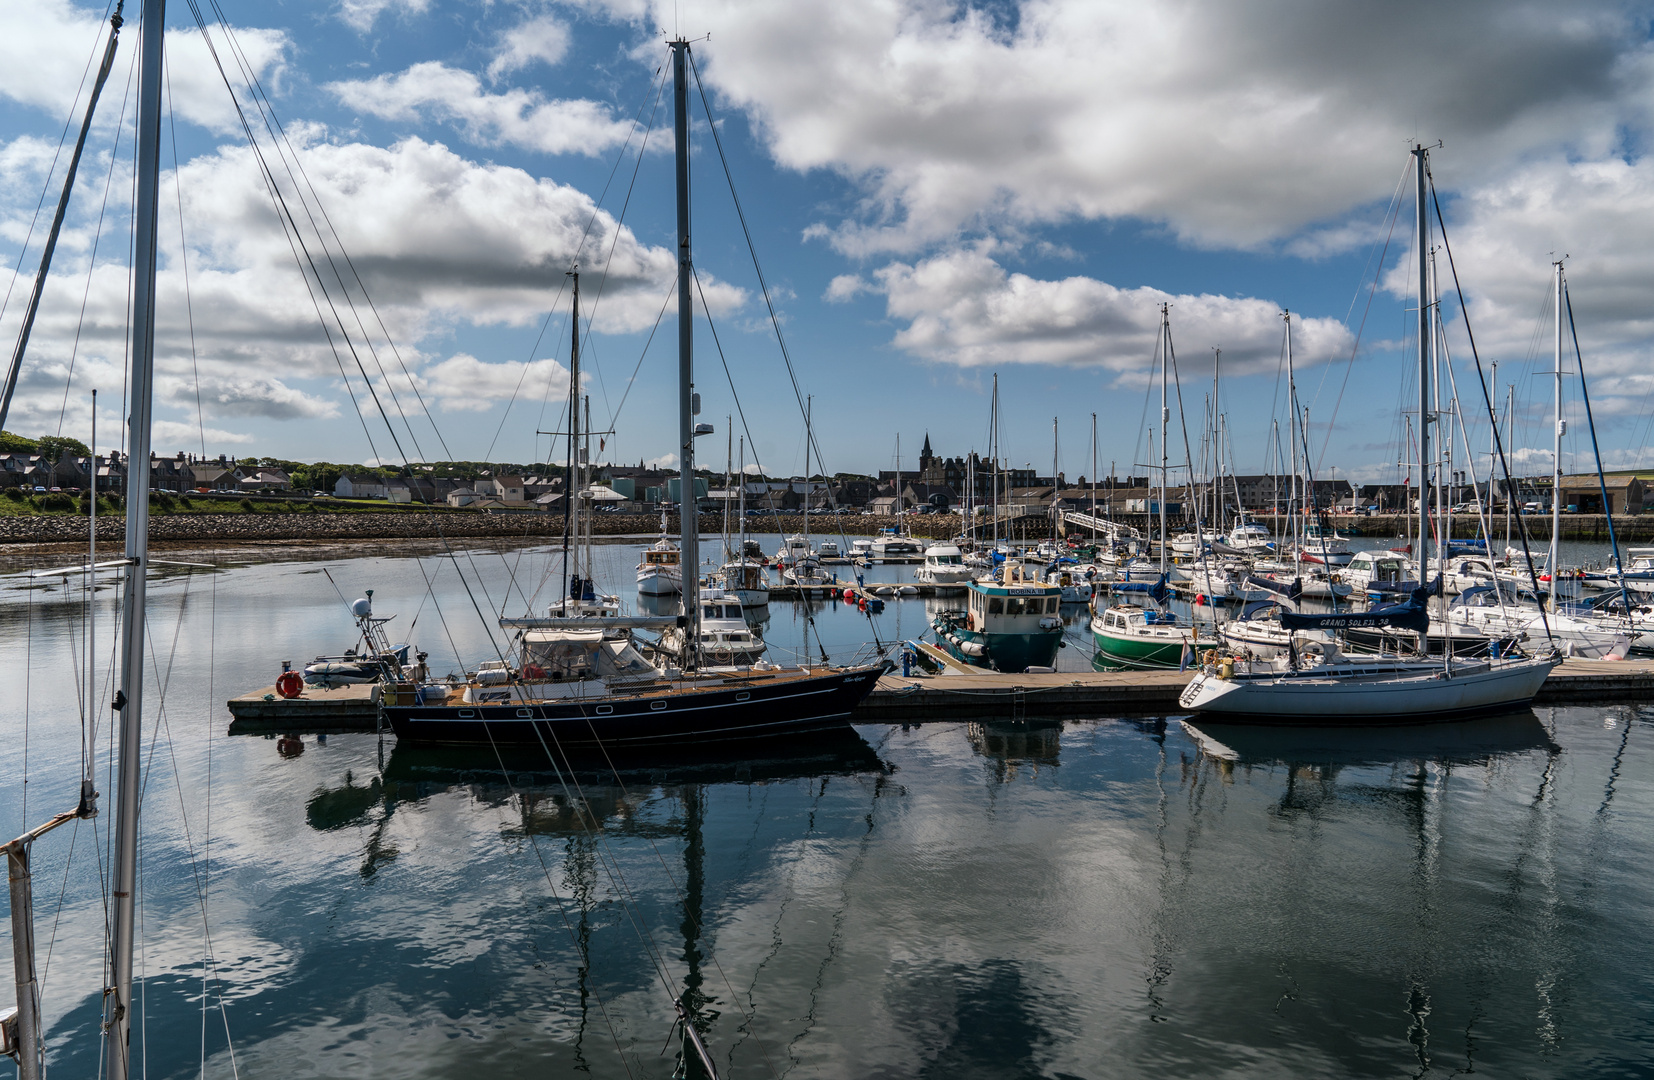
column 253, row 528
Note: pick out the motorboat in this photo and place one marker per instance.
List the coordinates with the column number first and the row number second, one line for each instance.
column 374, row 658
column 944, row 567
column 1503, row 611
column 1368, row 569
column 726, row 638
column 1136, row 629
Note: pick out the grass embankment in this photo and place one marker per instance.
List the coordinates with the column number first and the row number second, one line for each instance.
column 16, row 503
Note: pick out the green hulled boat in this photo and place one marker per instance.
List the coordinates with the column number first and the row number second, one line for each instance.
column 1143, row 632
column 1010, row 625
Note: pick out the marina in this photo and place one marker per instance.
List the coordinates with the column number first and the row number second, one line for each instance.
column 622, row 702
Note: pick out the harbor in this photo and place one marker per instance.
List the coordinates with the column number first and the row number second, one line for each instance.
column 461, row 621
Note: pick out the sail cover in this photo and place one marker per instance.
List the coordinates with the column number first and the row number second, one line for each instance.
column 1409, row 615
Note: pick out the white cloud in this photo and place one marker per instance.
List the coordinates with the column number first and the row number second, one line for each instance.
column 170, row 436
column 244, row 395
column 438, row 239
column 665, row 461
column 44, row 48
column 462, row 383
column 963, row 308
column 846, row 287
column 516, row 116
column 1233, row 122
column 361, row 14
column 538, row 40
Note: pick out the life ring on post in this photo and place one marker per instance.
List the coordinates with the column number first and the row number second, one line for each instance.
column 290, row 684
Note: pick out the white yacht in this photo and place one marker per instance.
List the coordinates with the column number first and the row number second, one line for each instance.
column 1368, row 568
column 1258, row 632
column 726, row 638
column 944, row 567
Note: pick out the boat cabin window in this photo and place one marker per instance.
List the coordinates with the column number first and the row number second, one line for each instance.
column 996, row 605
column 1013, row 605
column 1360, row 564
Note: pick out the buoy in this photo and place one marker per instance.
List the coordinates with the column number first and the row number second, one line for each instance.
column 290, row 684
column 289, row 746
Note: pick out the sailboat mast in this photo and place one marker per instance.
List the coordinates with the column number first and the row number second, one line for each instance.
column 993, row 452
column 687, row 517
column 809, row 411
column 1556, row 448
column 1093, row 478
column 743, row 480
column 129, row 699
column 1419, row 171
column 1165, row 419
column 1056, row 489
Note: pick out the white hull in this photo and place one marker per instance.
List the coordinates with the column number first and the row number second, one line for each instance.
column 1354, row 694
column 659, row 581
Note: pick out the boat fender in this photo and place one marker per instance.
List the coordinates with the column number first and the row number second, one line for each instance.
column 1226, row 668
column 290, row 685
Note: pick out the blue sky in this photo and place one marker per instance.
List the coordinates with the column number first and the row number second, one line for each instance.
column 937, row 192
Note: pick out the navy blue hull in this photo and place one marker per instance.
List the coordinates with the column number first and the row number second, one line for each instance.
column 763, row 709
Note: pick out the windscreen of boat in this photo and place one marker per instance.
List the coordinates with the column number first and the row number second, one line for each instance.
column 618, row 658
column 561, row 654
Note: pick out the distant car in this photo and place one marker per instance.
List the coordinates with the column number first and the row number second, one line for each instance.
column 40, row 488
column 1532, row 507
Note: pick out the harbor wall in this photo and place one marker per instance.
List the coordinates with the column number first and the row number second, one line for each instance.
column 321, row 525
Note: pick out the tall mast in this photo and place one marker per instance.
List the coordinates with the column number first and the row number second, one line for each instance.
column 1556, row 449
column 993, row 452
column 688, row 518
column 809, row 411
column 1055, row 487
column 1093, row 478
column 743, row 482
column 1165, row 419
column 129, row 699
column 1420, row 165
column 898, row 479
column 1217, row 455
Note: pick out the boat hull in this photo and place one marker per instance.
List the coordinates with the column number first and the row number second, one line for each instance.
column 1336, row 696
column 740, row 711
column 1009, row 653
column 659, row 582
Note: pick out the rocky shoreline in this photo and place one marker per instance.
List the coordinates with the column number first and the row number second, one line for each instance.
column 208, row 529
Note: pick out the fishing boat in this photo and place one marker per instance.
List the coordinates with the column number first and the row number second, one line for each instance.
column 660, row 569
column 1137, row 629
column 582, row 682
column 1011, row 624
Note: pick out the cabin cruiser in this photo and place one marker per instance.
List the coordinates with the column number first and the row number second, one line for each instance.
column 1324, row 546
column 1504, row 611
column 1369, row 568
column 944, row 567
column 1076, row 587
column 890, row 544
column 1249, row 536
column 726, row 638
column 1637, row 577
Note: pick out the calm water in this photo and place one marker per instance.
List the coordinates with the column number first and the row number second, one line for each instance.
column 1096, row 898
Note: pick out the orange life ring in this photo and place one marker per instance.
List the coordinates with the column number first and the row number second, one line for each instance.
column 290, row 684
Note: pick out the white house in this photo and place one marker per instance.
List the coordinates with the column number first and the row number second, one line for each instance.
column 360, row 486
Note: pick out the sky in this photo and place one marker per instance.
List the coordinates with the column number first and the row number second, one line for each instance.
column 937, row 193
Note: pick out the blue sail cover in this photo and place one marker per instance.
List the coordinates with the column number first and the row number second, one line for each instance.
column 1410, row 615
column 1157, row 590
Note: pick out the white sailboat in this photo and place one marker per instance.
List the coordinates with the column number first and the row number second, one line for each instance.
column 1320, row 685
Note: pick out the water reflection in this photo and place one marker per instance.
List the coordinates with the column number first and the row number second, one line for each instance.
column 1466, row 742
column 1016, row 744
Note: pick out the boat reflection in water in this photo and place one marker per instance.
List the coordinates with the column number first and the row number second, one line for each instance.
column 1015, row 744
column 1466, row 742
column 595, row 809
